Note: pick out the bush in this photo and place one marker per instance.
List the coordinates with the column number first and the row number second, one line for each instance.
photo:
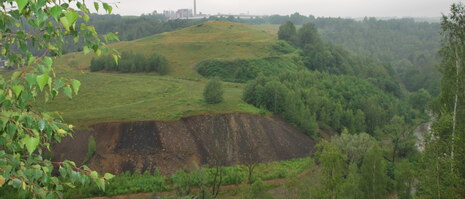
column 182, row 182
column 213, row 92
column 131, row 62
column 283, row 47
column 243, row 70
column 258, row 190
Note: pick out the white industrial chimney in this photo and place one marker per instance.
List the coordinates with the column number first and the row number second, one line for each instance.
column 195, row 8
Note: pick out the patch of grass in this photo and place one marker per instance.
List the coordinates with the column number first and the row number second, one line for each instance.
column 186, row 47
column 138, row 97
column 127, row 183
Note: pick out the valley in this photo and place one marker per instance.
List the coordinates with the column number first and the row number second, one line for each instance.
column 278, row 106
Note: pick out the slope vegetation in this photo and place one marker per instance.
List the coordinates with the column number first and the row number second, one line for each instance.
column 107, row 97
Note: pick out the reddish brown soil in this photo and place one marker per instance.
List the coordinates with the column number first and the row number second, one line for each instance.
column 169, row 146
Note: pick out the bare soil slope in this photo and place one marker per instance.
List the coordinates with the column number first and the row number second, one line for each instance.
column 169, row 146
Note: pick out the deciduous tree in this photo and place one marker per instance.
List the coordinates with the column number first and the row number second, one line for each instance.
column 213, row 92
column 30, row 32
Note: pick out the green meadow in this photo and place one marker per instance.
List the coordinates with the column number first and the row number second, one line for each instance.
column 108, row 97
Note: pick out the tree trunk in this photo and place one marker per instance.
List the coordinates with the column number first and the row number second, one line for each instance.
column 454, row 122
column 437, row 177
column 374, row 180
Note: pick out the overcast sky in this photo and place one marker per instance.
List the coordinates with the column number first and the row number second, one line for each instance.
column 333, row 8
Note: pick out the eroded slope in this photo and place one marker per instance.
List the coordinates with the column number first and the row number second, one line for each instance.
column 169, row 146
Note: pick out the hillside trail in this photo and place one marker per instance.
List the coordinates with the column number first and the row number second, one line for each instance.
column 223, row 188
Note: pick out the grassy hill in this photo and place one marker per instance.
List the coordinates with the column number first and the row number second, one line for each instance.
column 121, row 97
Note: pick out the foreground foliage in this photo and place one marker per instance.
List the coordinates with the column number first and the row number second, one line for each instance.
column 31, row 31
column 444, row 157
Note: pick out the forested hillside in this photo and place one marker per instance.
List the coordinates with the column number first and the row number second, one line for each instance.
column 408, row 46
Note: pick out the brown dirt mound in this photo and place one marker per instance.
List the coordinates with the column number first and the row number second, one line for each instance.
column 169, row 146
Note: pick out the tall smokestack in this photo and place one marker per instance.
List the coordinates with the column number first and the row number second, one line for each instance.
column 195, row 7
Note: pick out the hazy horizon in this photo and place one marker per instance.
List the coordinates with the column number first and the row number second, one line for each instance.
column 318, row 8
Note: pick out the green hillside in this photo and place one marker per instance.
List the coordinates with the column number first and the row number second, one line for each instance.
column 121, row 97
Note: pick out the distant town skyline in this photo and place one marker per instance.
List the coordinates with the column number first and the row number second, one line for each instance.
column 326, row 8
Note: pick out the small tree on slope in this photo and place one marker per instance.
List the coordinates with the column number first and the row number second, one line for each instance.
column 213, row 92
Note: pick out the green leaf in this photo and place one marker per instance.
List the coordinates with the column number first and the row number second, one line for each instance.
column 31, row 143
column 31, row 60
column 70, row 185
column 108, row 176
column 86, row 18
column 16, row 183
column 94, row 175
column 64, row 21
column 115, row 57
column 55, row 12
column 71, row 16
column 21, row 4
column 68, row 92
column 61, row 132
column 15, row 75
column 96, row 6
column 42, row 80
column 18, row 89
column 86, row 50
column 107, row 7
column 31, row 79
column 59, row 84
column 48, row 61
column 76, row 84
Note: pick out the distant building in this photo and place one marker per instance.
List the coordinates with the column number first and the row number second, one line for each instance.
column 169, row 14
column 180, row 14
column 184, row 13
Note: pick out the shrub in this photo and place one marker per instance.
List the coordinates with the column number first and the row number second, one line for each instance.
column 283, row 47
column 243, row 70
column 257, row 190
column 131, row 62
column 182, row 182
column 213, row 92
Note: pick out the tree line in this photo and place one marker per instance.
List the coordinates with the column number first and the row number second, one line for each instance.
column 131, row 62
column 335, row 101
column 130, row 28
